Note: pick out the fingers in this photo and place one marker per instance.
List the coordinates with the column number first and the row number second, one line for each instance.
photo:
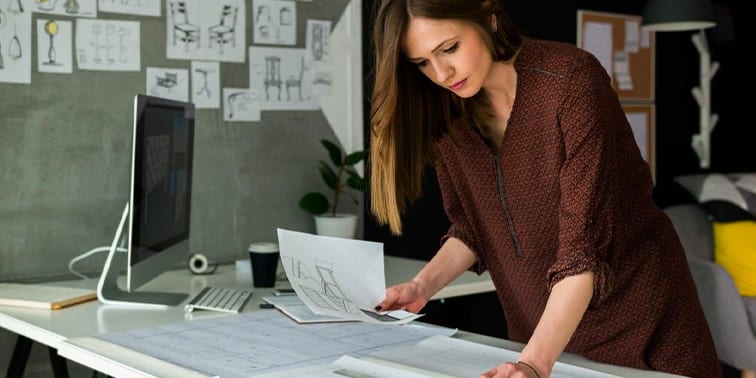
column 391, row 300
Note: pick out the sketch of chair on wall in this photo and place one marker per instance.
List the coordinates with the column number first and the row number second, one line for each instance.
column 182, row 29
column 165, row 84
column 295, row 82
column 272, row 75
column 263, row 21
column 225, row 31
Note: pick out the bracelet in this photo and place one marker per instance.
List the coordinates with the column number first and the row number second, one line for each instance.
column 529, row 367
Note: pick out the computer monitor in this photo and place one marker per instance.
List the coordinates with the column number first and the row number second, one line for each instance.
column 157, row 215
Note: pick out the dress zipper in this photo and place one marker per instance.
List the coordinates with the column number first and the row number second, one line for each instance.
column 502, row 199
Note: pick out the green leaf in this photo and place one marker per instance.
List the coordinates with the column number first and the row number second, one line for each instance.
column 314, row 203
column 333, row 151
column 329, row 175
column 355, row 157
column 357, row 183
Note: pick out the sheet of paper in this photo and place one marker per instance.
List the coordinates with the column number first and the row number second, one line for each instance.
column 264, row 341
column 338, row 277
column 598, row 41
column 347, row 366
column 294, row 308
column 462, row 358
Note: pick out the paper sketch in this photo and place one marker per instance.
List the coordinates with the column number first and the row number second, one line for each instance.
column 259, row 342
column 54, row 38
column 15, row 42
column 275, row 22
column 463, row 358
column 283, row 77
column 107, row 45
column 77, row 8
column 138, row 7
column 170, row 83
column 205, row 30
column 337, row 277
column 241, row 105
column 318, row 56
column 318, row 41
column 206, row 85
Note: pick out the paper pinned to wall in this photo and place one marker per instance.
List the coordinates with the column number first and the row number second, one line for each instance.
column 283, row 77
column 54, row 46
column 598, row 41
column 78, row 8
column 240, row 105
column 640, row 131
column 15, row 45
column 137, row 7
column 206, row 30
column 275, row 22
column 170, row 83
column 206, row 85
column 108, row 45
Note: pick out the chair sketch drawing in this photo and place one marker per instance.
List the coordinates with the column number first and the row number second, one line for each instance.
column 272, row 75
column 182, row 29
column 225, row 31
column 295, row 82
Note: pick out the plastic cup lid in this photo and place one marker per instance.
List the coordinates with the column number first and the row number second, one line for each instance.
column 265, row 247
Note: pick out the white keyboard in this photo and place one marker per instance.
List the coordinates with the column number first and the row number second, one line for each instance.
column 219, row 299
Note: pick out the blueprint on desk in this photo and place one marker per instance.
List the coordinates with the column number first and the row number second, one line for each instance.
column 264, row 341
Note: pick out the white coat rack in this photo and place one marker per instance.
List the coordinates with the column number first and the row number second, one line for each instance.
column 701, row 142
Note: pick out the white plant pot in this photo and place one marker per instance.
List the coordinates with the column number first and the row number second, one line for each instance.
column 341, row 226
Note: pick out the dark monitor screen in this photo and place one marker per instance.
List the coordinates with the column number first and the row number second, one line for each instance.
column 158, row 211
column 161, row 176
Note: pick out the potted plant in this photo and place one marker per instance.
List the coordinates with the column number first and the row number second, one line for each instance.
column 343, row 180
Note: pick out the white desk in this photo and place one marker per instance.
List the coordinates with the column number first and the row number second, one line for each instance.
column 53, row 328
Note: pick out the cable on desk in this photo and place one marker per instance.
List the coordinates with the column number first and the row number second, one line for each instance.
column 87, row 254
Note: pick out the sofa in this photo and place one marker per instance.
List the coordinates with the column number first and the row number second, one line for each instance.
column 731, row 317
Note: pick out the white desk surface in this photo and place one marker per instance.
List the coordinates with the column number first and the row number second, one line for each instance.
column 92, row 318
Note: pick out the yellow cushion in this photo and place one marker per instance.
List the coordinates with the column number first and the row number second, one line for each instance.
column 735, row 251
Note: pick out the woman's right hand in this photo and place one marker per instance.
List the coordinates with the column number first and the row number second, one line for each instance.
column 411, row 296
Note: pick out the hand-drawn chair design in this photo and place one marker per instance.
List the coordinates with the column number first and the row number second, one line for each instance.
column 295, row 82
column 225, row 31
column 272, row 75
column 182, row 29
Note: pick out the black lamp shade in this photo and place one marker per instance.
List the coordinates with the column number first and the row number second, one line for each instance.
column 677, row 15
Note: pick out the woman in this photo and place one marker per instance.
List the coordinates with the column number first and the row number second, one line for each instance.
column 543, row 184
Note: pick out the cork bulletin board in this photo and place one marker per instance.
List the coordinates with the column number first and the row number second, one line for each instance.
column 623, row 48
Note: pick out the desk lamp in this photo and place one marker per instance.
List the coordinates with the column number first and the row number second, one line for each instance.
column 684, row 15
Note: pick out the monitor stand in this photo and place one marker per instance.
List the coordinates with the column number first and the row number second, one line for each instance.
column 109, row 292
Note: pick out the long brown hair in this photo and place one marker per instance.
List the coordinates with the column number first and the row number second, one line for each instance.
column 409, row 113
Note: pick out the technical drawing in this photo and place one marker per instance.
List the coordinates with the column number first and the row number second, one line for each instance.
column 51, row 28
column 204, row 88
column 225, row 31
column 182, row 29
column 322, row 288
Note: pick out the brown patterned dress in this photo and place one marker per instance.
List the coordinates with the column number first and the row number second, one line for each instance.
column 568, row 192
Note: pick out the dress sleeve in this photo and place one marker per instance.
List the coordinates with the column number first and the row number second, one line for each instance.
column 589, row 119
column 460, row 227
